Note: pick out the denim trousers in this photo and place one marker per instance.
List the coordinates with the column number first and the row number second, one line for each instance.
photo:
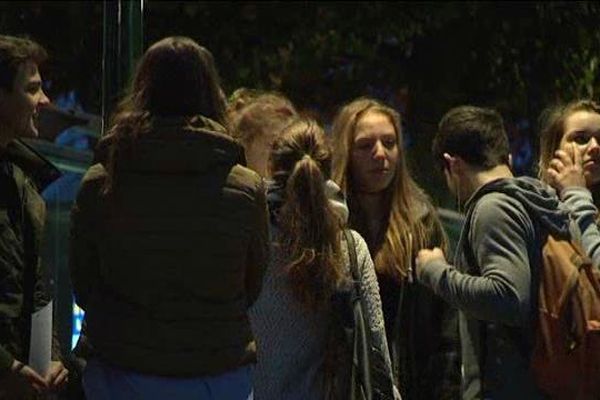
column 105, row 382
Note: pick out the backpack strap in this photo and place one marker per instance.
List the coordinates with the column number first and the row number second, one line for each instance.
column 518, row 339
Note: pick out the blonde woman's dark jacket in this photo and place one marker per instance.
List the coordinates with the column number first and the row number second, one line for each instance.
column 422, row 330
column 167, row 263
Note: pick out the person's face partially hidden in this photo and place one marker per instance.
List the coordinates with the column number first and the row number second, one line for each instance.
column 583, row 129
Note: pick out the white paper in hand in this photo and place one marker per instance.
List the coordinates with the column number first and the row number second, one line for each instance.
column 40, row 347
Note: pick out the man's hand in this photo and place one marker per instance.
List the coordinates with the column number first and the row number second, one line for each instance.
column 57, row 376
column 31, row 377
column 426, row 255
column 565, row 169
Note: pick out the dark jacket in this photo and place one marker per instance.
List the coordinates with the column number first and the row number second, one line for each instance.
column 22, row 215
column 422, row 332
column 167, row 263
column 495, row 284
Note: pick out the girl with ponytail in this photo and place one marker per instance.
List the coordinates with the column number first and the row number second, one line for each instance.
column 293, row 317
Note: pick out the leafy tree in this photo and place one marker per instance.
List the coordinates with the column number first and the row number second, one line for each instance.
column 421, row 57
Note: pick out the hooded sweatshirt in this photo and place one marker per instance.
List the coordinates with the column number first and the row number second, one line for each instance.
column 494, row 283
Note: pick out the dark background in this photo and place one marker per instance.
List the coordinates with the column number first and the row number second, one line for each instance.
column 422, row 58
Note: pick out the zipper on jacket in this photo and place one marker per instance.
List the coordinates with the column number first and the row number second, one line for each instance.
column 405, row 284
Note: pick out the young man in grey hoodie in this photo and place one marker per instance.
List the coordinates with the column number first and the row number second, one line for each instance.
column 495, row 277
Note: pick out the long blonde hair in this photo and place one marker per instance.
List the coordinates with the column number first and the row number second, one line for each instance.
column 405, row 231
column 310, row 231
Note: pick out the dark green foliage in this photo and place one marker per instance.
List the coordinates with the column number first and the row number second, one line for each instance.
column 422, row 57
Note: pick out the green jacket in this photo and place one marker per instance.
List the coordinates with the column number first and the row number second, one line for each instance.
column 167, row 264
column 22, row 217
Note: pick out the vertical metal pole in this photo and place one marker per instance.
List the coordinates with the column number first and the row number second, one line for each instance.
column 110, row 58
column 123, row 39
column 122, row 47
column 133, row 36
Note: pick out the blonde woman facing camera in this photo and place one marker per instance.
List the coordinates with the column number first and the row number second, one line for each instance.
column 396, row 218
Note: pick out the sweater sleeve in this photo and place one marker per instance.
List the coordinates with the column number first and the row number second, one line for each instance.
column 580, row 203
column 370, row 289
column 499, row 237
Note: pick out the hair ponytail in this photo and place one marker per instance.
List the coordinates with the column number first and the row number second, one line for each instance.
column 310, row 230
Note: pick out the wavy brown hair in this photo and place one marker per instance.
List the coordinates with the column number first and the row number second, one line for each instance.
column 405, row 232
column 265, row 114
column 310, row 230
column 262, row 116
column 176, row 77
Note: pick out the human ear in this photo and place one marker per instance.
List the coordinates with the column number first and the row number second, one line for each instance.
column 450, row 163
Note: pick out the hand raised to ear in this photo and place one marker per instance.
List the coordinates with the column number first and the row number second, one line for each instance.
column 565, row 169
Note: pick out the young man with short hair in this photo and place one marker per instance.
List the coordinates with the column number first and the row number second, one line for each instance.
column 22, row 215
column 494, row 280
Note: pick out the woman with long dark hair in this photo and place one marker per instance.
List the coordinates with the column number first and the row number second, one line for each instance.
column 397, row 219
column 294, row 319
column 169, row 240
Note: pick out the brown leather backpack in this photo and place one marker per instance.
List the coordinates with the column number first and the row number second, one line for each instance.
column 566, row 358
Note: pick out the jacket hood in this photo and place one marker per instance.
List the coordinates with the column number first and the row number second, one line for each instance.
column 276, row 199
column 540, row 201
column 178, row 144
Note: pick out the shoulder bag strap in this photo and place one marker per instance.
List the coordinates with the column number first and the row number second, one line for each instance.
column 352, row 254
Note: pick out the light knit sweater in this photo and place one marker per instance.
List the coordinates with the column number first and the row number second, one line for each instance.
column 291, row 341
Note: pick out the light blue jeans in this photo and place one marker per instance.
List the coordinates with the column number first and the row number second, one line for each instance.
column 104, row 382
